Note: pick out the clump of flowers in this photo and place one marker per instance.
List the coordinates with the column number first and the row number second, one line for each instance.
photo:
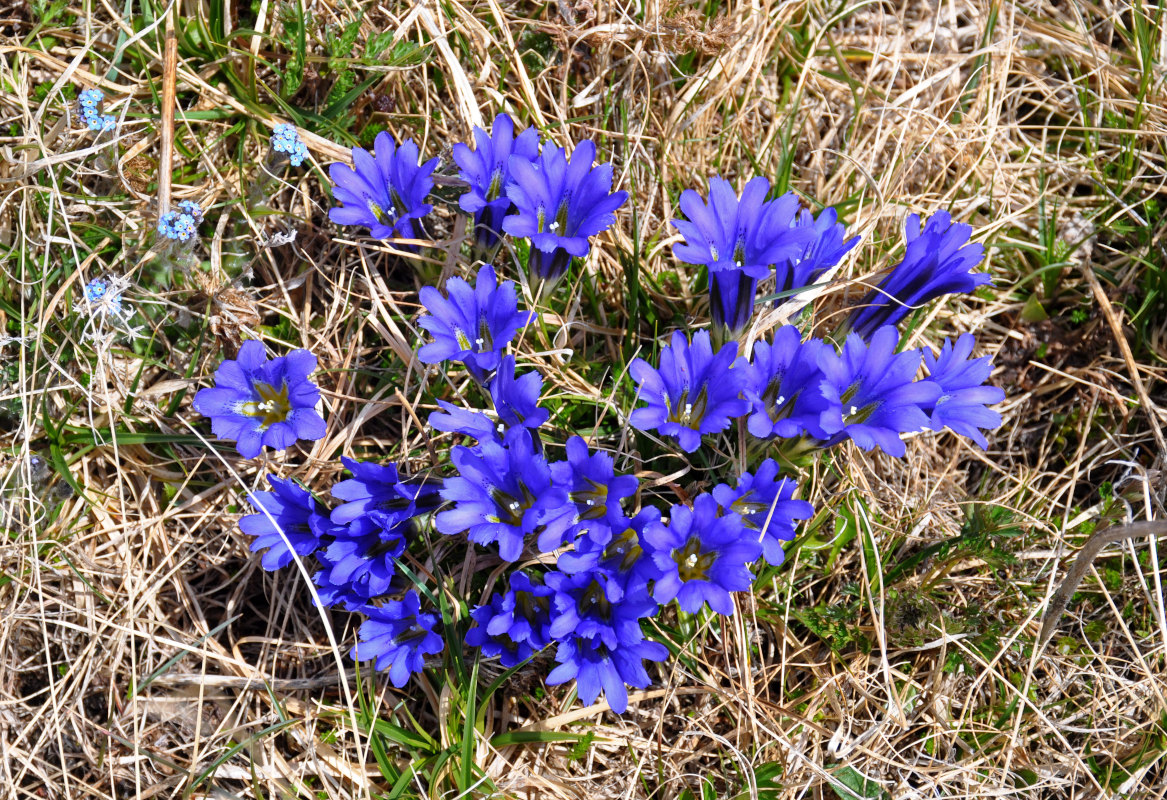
column 181, row 224
column 285, row 140
column 89, row 104
column 581, row 556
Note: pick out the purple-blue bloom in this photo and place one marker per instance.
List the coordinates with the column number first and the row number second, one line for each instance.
column 872, row 392
column 938, row 261
column 783, row 390
column 287, row 516
column 625, row 555
column 559, row 204
column 473, row 325
column 738, row 240
column 385, row 190
column 516, row 403
column 693, row 393
column 513, row 625
column 703, row 556
column 596, row 666
column 258, row 402
column 766, row 503
column 360, row 564
column 596, row 492
column 487, row 170
column 961, row 405
column 594, row 606
column 380, row 489
column 824, row 251
column 397, row 636
column 502, row 493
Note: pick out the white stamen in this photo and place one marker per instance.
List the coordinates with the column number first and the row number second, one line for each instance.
column 781, row 399
column 478, row 341
column 513, row 506
column 854, row 410
column 691, row 561
column 738, row 263
column 502, row 428
column 591, row 502
column 553, row 226
column 266, row 405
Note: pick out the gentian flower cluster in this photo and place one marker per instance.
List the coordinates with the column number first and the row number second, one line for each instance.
column 285, row 139
column 515, row 185
column 89, row 105
column 599, row 558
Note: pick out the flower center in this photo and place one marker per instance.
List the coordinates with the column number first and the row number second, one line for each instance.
column 494, row 190
column 693, row 563
column 594, row 602
column 510, row 510
column 594, row 500
column 382, row 215
column 273, row 406
column 686, row 412
column 625, row 547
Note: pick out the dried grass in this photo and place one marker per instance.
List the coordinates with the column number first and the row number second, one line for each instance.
column 146, row 582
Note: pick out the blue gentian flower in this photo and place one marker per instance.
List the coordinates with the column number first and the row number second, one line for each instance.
column 594, row 606
column 286, row 139
column 397, row 636
column 596, row 492
column 738, row 240
column 560, row 203
column 824, row 251
column 961, row 405
column 784, row 386
column 516, row 399
column 89, row 103
column 257, row 402
column 360, row 564
column 288, row 522
column 693, row 393
column 872, row 393
column 455, row 419
column 595, row 666
column 487, row 170
column 502, row 493
column 472, row 325
column 937, row 262
column 703, row 556
column 513, row 625
column 625, row 556
column 385, row 190
column 380, row 488
column 765, row 501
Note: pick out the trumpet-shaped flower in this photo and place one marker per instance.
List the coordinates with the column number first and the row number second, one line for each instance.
column 593, row 606
column 694, row 392
column 765, row 501
column 595, row 490
column 397, row 637
column 783, row 389
column 503, row 493
column 938, row 261
column 825, row 250
column 964, row 395
column 257, row 402
column 385, row 190
column 625, row 556
column 514, row 624
column 487, row 170
column 288, row 522
column 471, row 325
column 560, row 203
column 872, row 393
column 595, row 666
column 703, row 556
